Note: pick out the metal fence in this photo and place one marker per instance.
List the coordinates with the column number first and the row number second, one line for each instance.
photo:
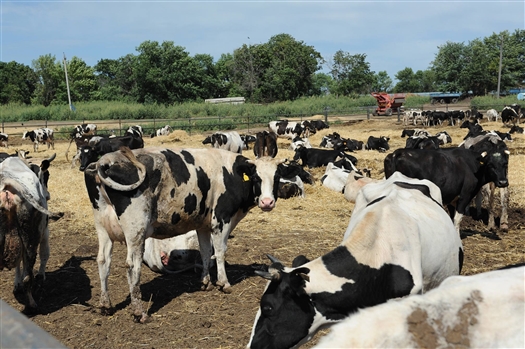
column 191, row 125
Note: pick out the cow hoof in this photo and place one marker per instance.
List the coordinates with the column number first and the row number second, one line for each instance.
column 207, row 287
column 29, row 310
column 225, row 288
column 106, row 311
column 504, row 227
column 141, row 319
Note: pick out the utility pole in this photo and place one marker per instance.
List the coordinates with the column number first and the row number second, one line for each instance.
column 499, row 72
column 67, row 84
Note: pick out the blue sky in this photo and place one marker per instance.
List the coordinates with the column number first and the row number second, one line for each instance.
column 393, row 34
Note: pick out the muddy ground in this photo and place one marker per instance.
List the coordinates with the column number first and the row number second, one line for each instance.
column 183, row 316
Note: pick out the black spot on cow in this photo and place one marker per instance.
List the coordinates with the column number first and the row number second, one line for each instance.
column 204, row 185
column 172, row 192
column 375, row 201
column 175, row 218
column 188, row 157
column 178, row 167
column 190, row 204
column 370, row 286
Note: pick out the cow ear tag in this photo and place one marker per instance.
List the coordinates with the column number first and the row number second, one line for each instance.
column 245, row 177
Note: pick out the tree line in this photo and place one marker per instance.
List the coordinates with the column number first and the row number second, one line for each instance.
column 283, row 69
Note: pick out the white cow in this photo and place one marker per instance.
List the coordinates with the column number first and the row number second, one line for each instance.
column 492, row 115
column 227, row 140
column 479, row 311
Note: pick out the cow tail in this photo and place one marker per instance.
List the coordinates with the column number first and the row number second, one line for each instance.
column 125, row 154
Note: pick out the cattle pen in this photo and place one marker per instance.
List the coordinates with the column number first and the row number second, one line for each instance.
column 183, row 316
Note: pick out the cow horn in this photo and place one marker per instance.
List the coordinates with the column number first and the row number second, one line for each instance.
column 273, row 259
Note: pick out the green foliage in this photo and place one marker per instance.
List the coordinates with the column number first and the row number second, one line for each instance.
column 489, row 102
column 382, row 82
column 351, row 74
column 415, row 101
column 17, row 83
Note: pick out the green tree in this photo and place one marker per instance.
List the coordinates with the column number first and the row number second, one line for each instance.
column 115, row 78
column 321, row 84
column 382, row 82
column 82, row 82
column 448, row 64
column 351, row 73
column 17, row 83
column 49, row 75
column 407, row 81
column 281, row 69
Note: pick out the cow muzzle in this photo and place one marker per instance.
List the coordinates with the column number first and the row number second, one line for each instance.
column 502, row 183
column 267, row 204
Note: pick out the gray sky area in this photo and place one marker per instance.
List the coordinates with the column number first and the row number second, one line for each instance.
column 393, row 34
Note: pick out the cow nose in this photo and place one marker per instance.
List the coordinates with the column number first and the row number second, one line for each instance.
column 267, row 204
column 502, row 183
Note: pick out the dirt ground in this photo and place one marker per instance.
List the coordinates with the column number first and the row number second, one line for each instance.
column 183, row 316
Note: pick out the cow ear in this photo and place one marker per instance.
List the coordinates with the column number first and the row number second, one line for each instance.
column 298, row 279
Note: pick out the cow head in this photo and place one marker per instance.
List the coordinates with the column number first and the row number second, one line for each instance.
column 495, row 157
column 87, row 156
column 286, row 311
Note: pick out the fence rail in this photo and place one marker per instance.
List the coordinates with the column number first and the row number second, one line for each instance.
column 248, row 124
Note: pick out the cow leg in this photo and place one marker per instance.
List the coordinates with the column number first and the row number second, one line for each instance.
column 504, row 217
column 457, row 221
column 105, row 248
column 28, row 262
column 134, row 261
column 44, row 253
column 206, row 250
column 220, row 239
column 489, row 193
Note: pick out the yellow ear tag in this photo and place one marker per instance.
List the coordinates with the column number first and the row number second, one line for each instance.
column 245, row 177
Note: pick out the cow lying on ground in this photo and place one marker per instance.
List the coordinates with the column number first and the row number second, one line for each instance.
column 227, row 140
column 476, row 311
column 173, row 255
column 23, row 224
column 289, row 129
column 377, row 143
column 461, row 174
column 313, row 157
column 40, row 135
column 4, row 138
column 399, row 242
column 163, row 131
column 161, row 193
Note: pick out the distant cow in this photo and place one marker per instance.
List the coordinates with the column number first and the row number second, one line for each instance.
column 135, row 131
column 511, row 113
column 516, row 129
column 265, row 144
column 4, row 138
column 163, row 131
column 476, row 311
column 227, row 140
column 377, row 143
column 40, row 135
column 399, row 242
column 298, row 142
column 91, row 153
column 415, row 133
column 161, row 193
column 492, row 115
column 319, row 124
column 313, row 157
column 23, row 224
column 83, row 130
column 289, row 129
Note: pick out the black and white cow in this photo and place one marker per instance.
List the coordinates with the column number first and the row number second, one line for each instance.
column 415, row 133
column 476, row 311
column 289, row 129
column 173, row 255
column 83, row 130
column 40, row 135
column 462, row 172
column 511, row 113
column 319, row 124
column 161, row 193
column 24, row 220
column 265, row 144
column 163, row 131
column 298, row 142
column 4, row 138
column 227, row 140
column 516, row 129
column 91, row 153
column 377, row 143
column 399, row 242
column 135, row 131
column 333, row 141
column 313, row 157
column 289, row 188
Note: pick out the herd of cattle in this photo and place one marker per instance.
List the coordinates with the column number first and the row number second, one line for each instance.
column 398, row 262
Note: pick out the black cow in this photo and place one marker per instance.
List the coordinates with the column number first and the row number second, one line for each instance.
column 458, row 172
column 265, row 144
column 474, row 128
column 379, row 144
column 423, row 142
column 319, row 124
column 90, row 154
column 516, row 129
column 313, row 157
column 353, row 144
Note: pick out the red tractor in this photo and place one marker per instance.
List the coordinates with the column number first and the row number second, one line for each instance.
column 388, row 104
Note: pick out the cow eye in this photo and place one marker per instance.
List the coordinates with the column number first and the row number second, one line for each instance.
column 267, row 309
